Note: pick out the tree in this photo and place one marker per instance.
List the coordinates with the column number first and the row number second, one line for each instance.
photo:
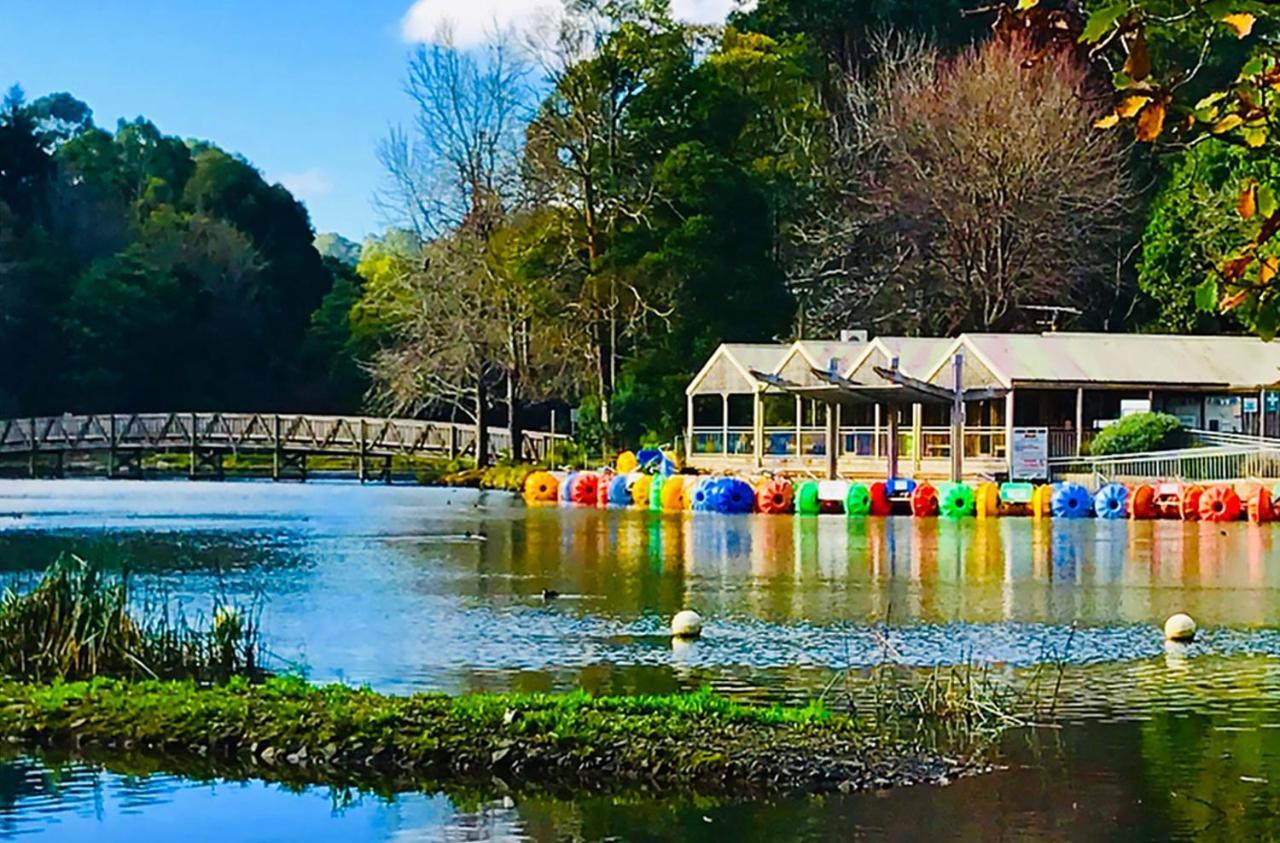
column 581, row 156
column 140, row 271
column 841, row 29
column 1174, row 99
column 1193, row 225
column 333, row 245
column 963, row 191
column 452, row 183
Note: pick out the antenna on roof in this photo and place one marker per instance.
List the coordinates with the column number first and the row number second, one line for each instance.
column 1052, row 311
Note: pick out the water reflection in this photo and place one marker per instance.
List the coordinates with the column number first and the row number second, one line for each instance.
column 410, row 588
column 1142, row 753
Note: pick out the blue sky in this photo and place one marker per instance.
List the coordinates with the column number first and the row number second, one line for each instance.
column 304, row 90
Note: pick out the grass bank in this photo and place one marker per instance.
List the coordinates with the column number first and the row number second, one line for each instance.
column 287, row 730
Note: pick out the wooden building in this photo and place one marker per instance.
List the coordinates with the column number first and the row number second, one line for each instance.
column 856, row 409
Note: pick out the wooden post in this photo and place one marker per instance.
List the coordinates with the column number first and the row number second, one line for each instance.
column 893, row 431
column 35, row 449
column 1262, row 413
column 833, row 433
column 799, row 424
column 875, row 433
column 1008, row 430
column 724, row 427
column 1079, row 422
column 688, row 443
column 453, row 440
column 957, row 418
column 111, row 445
column 893, row 442
column 758, row 427
column 361, row 446
column 550, row 455
column 917, row 435
column 275, row 447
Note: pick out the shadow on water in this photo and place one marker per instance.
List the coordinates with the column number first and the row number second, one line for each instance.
column 414, row 589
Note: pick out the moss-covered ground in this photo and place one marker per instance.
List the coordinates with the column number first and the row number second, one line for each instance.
column 286, row 729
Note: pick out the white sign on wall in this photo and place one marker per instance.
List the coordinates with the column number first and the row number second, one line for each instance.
column 1029, row 454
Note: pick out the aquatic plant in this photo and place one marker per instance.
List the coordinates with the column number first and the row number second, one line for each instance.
column 76, row 623
column 288, row 730
column 966, row 706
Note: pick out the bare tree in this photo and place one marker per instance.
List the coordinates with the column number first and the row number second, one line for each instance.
column 462, row 156
column 452, row 180
column 964, row 190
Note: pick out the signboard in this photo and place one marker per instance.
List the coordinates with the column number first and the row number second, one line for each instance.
column 1250, row 405
column 1133, row 406
column 1029, row 454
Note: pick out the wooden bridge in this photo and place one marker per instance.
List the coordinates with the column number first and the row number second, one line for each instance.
column 206, row 438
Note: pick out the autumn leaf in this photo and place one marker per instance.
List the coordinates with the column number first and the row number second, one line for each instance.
column 1234, row 269
column 1130, row 106
column 1211, row 100
column 1255, row 137
column 1151, row 122
column 1234, row 300
column 1267, row 270
column 1247, row 204
column 1241, row 23
column 1138, row 64
column 1226, row 124
column 1108, row 122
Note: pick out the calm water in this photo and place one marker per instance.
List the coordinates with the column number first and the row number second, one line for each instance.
column 412, row 589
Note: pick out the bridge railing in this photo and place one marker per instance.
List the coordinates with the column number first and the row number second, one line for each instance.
column 355, row 435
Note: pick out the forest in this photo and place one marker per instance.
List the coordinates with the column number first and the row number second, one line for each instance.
column 578, row 214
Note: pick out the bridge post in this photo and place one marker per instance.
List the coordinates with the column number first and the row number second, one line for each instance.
column 360, row 467
column 453, row 441
column 35, row 450
column 275, row 449
column 193, row 466
column 111, row 446
column 386, row 469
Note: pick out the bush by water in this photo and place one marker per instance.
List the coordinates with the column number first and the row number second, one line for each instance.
column 1139, row 433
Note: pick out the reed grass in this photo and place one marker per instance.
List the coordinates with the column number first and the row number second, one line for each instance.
column 77, row 623
column 966, row 706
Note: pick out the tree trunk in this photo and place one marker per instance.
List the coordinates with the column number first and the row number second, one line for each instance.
column 482, row 431
column 515, row 426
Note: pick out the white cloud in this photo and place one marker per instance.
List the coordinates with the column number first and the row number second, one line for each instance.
column 308, row 184
column 474, row 21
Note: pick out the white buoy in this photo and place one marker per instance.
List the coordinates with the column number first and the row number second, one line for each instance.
column 686, row 624
column 1179, row 627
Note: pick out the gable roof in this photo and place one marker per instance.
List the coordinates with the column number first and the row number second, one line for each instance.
column 1139, row 359
column 728, row 369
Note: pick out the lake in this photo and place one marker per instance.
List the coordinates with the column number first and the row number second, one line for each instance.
column 407, row 589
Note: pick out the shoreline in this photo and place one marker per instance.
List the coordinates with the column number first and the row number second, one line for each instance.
column 289, row 731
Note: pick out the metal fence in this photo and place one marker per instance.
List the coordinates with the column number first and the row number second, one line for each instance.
column 1221, row 457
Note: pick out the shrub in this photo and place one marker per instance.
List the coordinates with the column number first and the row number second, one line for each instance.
column 1138, row 433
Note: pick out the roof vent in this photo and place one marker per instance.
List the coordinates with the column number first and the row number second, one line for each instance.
column 859, row 335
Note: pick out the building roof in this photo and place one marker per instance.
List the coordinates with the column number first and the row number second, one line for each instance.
column 728, row 370
column 1122, row 359
column 1006, row 360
